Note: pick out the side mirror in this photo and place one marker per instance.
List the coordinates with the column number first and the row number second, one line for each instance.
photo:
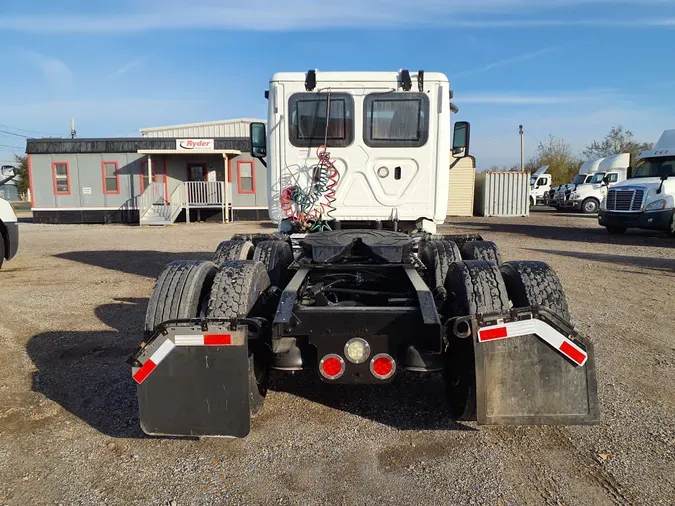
column 461, row 139
column 664, row 172
column 7, row 171
column 605, row 180
column 258, row 140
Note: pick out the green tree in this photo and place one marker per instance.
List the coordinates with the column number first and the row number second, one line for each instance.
column 616, row 141
column 22, row 181
column 557, row 154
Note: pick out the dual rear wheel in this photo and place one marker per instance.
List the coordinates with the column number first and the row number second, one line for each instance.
column 479, row 283
column 231, row 286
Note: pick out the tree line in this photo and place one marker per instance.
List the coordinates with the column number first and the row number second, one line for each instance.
column 564, row 163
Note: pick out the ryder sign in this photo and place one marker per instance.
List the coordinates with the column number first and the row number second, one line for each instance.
column 195, row 144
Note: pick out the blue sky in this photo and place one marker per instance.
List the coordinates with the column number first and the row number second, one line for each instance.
column 571, row 68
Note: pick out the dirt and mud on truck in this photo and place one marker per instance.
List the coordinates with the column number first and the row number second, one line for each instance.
column 356, row 284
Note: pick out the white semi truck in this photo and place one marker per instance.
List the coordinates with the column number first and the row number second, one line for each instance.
column 587, row 197
column 559, row 194
column 647, row 199
column 540, row 185
column 9, row 226
column 355, row 286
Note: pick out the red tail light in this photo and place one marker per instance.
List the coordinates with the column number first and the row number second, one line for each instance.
column 382, row 366
column 332, row 366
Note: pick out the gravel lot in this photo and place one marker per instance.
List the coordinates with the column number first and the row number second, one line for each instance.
column 72, row 305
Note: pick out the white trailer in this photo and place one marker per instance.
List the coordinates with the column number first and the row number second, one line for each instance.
column 647, row 199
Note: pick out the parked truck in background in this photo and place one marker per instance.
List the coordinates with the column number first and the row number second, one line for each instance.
column 540, row 185
column 586, row 197
column 360, row 289
column 9, row 226
column 647, row 199
column 558, row 195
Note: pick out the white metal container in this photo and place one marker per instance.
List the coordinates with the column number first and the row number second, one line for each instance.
column 503, row 194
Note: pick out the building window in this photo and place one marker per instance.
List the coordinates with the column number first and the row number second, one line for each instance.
column 396, row 120
column 143, row 177
column 61, row 175
column 245, row 177
column 111, row 177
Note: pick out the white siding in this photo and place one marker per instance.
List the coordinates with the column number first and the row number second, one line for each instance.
column 462, row 180
column 238, row 128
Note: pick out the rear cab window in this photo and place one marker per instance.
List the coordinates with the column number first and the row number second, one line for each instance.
column 396, row 120
column 308, row 127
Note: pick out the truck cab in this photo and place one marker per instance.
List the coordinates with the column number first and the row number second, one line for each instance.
column 585, row 175
column 540, row 185
column 586, row 197
column 381, row 158
column 647, row 199
column 9, row 227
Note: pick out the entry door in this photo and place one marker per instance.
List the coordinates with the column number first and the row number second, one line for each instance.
column 197, row 172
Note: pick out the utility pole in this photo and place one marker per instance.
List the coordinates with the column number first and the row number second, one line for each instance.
column 522, row 148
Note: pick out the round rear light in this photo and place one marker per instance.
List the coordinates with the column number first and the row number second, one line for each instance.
column 382, row 366
column 357, row 350
column 332, row 366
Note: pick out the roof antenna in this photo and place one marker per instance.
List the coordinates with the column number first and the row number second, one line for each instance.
column 73, row 133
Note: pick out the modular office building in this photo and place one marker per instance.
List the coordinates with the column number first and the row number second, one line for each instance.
column 186, row 172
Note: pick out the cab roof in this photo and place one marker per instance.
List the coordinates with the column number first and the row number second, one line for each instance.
column 356, row 77
column 664, row 147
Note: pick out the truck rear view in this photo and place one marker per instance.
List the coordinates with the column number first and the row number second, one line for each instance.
column 356, row 286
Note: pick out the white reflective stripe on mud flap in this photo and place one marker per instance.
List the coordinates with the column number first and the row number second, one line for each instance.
column 193, row 340
column 539, row 328
column 161, row 353
column 151, row 364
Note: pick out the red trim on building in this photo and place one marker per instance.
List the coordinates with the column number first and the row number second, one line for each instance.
column 142, row 171
column 239, row 190
column 54, row 164
column 30, row 180
column 229, row 169
column 166, row 185
column 117, row 177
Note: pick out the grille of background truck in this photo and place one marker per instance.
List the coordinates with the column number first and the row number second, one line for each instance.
column 625, row 200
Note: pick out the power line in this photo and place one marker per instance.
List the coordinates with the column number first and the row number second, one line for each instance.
column 12, row 133
column 28, row 131
column 11, row 147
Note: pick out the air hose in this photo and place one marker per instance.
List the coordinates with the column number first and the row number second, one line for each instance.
column 312, row 208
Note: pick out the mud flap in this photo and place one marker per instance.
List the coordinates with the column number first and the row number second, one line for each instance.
column 532, row 368
column 194, row 382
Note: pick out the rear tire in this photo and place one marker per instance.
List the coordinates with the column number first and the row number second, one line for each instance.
column 233, row 250
column 258, row 238
column 180, row 292
column 276, row 256
column 236, row 290
column 535, row 283
column 482, row 250
column 437, row 257
column 2, row 251
column 475, row 287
